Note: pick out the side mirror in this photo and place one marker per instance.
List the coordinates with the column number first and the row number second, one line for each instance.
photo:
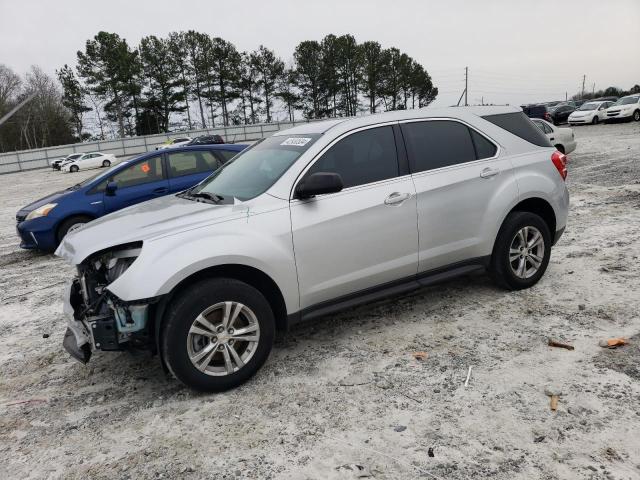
column 319, row 184
column 111, row 188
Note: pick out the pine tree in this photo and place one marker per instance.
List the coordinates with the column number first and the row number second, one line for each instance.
column 308, row 58
column 73, row 97
column 269, row 68
column 225, row 72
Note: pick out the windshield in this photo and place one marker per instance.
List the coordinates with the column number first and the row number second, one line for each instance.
column 254, row 170
column 627, row 101
column 89, row 180
column 589, row 106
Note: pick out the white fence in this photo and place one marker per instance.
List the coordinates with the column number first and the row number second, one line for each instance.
column 42, row 157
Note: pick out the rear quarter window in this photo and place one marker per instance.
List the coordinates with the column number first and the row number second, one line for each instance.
column 518, row 124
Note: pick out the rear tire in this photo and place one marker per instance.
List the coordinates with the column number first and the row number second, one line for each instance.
column 73, row 168
column 106, row 163
column 521, row 252
column 636, row 115
column 560, row 148
column 70, row 224
column 204, row 354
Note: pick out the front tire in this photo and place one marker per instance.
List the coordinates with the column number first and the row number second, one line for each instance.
column 71, row 224
column 217, row 334
column 595, row 120
column 521, row 252
column 73, row 168
column 636, row 115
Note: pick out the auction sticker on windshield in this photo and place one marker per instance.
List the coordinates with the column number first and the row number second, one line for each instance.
column 296, row 141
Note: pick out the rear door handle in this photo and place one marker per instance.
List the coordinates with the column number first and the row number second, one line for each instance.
column 161, row 190
column 396, row 198
column 489, row 172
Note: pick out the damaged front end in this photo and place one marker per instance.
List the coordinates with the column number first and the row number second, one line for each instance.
column 99, row 320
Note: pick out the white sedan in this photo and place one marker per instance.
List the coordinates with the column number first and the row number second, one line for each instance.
column 561, row 138
column 174, row 142
column 90, row 160
column 590, row 112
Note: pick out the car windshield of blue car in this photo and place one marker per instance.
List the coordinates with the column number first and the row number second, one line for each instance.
column 93, row 178
column 256, row 169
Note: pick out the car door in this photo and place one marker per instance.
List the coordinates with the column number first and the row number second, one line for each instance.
column 186, row 168
column 363, row 236
column 457, row 171
column 136, row 183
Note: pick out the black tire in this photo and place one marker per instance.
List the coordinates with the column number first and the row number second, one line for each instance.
column 595, row 120
column 500, row 267
column 73, row 168
column 106, row 163
column 560, row 148
column 636, row 115
column 194, row 300
column 67, row 224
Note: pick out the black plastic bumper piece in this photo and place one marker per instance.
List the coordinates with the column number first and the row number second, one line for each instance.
column 82, row 354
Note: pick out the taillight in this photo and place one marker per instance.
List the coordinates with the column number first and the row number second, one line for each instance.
column 560, row 161
column 547, row 117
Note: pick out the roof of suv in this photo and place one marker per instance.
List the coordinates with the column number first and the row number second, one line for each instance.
column 320, row 127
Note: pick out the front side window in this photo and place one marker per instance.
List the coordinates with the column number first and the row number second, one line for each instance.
column 254, row 170
column 362, row 157
column 140, row 173
column 188, row 163
column 437, row 143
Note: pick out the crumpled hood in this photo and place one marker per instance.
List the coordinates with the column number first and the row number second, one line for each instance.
column 582, row 113
column 43, row 201
column 167, row 215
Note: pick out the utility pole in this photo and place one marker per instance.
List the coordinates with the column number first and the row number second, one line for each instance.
column 584, row 77
column 466, row 85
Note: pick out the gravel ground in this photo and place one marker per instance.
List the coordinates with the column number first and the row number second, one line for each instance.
column 344, row 397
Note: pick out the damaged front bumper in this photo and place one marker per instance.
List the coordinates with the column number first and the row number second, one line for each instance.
column 104, row 324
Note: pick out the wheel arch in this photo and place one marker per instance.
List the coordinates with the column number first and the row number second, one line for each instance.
column 540, row 207
column 72, row 215
column 244, row 273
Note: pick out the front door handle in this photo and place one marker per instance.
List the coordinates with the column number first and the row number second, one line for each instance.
column 551, row 138
column 396, row 198
column 489, row 172
column 161, row 190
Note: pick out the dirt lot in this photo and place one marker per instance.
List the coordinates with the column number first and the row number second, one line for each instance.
column 344, row 398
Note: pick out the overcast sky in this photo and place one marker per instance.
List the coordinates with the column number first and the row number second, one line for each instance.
column 516, row 50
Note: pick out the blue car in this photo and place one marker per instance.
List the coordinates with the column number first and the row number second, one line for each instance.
column 44, row 223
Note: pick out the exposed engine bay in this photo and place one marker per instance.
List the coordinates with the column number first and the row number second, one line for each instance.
column 97, row 318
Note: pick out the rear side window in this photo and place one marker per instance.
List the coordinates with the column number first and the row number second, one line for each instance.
column 362, row 157
column 519, row 125
column 437, row 144
column 484, row 148
column 188, row 163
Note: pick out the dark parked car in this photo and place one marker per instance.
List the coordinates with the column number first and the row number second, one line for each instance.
column 537, row 111
column 43, row 223
column 207, row 140
column 560, row 113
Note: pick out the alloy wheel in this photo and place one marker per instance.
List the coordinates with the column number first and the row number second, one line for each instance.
column 223, row 338
column 526, row 252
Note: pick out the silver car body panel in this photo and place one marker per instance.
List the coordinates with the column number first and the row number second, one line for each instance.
column 333, row 245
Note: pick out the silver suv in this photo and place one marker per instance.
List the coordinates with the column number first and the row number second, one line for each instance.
column 314, row 219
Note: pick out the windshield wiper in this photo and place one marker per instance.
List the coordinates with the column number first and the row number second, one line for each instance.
column 200, row 196
column 209, row 196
